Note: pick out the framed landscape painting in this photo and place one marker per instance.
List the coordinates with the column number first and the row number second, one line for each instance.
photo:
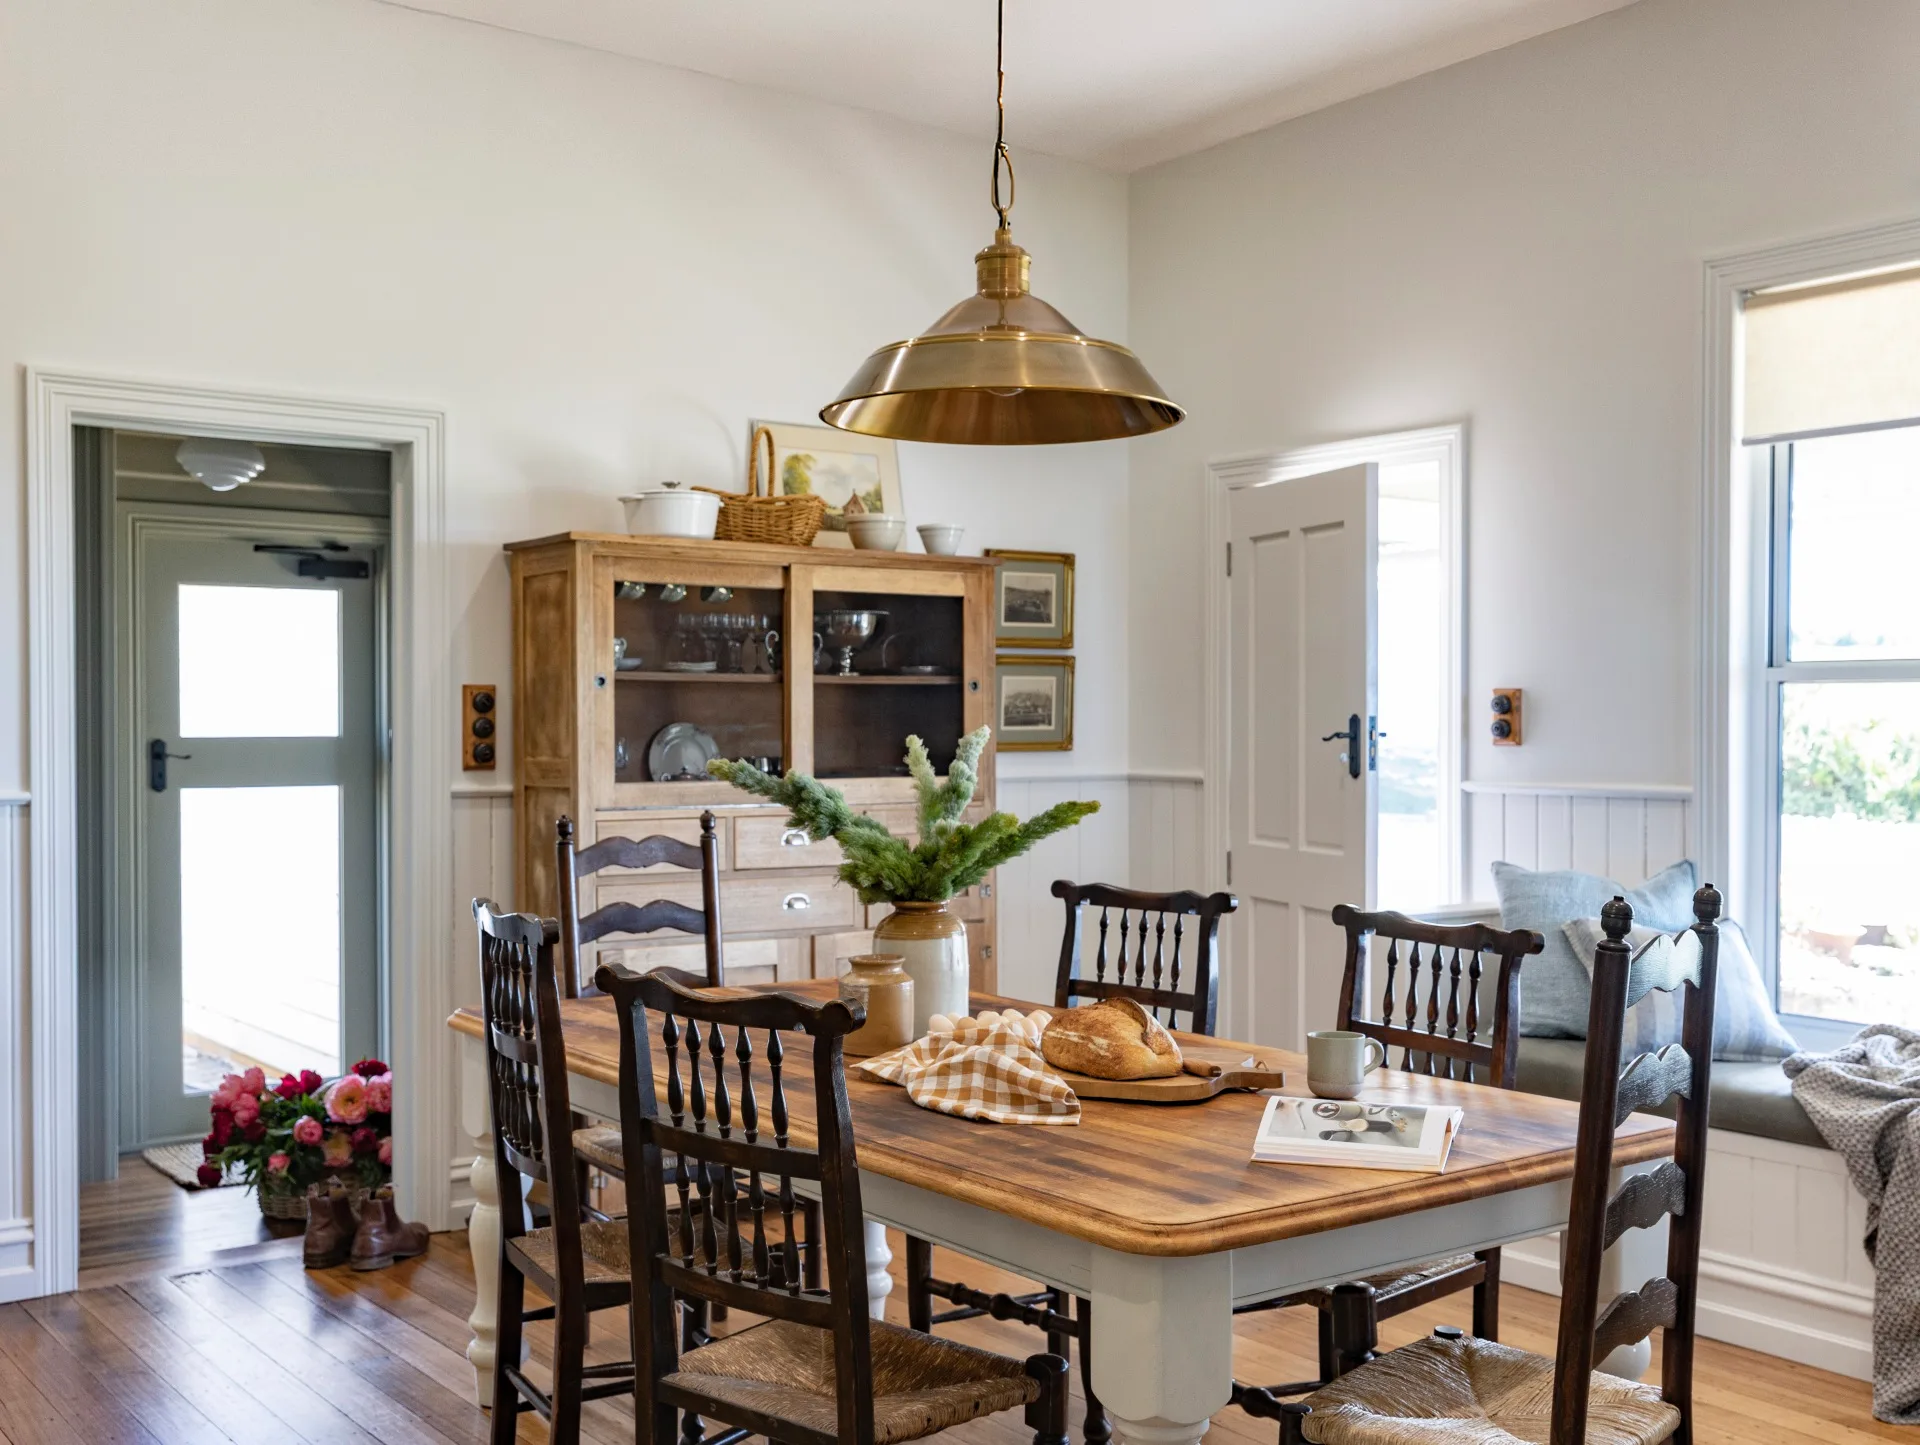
column 1033, row 709
column 1033, row 599
column 852, row 473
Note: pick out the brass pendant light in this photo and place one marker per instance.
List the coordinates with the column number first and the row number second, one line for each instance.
column 1002, row 368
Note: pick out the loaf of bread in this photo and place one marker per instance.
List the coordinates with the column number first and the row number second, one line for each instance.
column 1113, row 1039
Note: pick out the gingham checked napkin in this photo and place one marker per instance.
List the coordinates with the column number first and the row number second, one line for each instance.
column 980, row 1071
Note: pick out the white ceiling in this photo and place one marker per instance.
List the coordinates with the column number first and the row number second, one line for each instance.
column 1118, row 83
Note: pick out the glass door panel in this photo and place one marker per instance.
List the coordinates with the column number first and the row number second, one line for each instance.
column 888, row 665
column 696, row 674
column 259, row 662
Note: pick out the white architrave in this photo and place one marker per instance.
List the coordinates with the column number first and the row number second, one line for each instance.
column 417, row 875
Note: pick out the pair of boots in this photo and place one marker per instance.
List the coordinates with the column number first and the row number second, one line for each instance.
column 373, row 1241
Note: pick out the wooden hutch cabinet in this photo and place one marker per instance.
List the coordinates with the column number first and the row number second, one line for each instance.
column 632, row 656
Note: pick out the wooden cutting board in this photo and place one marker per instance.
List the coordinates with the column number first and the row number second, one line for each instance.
column 1211, row 1069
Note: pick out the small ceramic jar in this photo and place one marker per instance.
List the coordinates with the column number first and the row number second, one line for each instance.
column 879, row 983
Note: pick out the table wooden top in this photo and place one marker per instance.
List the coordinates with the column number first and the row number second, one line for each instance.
column 1161, row 1179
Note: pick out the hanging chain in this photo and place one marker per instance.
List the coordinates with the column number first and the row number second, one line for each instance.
column 1001, row 156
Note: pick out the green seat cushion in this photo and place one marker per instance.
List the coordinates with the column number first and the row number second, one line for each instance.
column 1752, row 1098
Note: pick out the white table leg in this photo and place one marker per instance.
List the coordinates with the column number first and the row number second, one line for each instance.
column 483, row 1239
column 1162, row 1344
column 1636, row 1257
column 879, row 1281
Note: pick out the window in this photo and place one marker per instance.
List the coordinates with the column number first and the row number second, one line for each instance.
column 1842, row 698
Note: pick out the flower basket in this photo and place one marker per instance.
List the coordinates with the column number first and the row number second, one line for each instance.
column 301, row 1131
column 280, row 1199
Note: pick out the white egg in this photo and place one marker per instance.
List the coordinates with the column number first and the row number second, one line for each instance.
column 939, row 1024
column 989, row 1019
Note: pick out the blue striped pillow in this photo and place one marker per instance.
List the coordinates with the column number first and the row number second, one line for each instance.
column 1745, row 1027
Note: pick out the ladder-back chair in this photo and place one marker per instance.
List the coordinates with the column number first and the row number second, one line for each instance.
column 1473, row 1384
column 821, row 1370
column 1161, row 950
column 1447, row 1012
column 629, row 918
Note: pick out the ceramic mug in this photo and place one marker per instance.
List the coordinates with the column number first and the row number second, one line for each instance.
column 1338, row 1062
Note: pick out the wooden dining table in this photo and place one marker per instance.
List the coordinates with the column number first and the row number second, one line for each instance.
column 1154, row 1212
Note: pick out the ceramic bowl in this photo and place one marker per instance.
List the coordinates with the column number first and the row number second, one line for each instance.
column 875, row 531
column 942, row 539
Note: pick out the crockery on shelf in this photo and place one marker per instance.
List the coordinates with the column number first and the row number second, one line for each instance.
column 671, row 509
column 941, row 539
column 875, row 531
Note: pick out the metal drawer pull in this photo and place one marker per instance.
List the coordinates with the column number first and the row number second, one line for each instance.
column 794, row 838
column 796, row 902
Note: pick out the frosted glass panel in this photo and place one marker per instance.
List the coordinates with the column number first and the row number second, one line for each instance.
column 259, row 662
column 260, row 928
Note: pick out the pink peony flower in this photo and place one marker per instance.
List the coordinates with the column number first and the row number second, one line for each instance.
column 209, row 1176
column 254, row 1081
column 307, row 1130
column 347, row 1100
column 386, row 1152
column 229, row 1089
column 222, row 1132
column 246, row 1109
column 380, row 1094
column 338, row 1150
column 277, row 1163
column 310, row 1082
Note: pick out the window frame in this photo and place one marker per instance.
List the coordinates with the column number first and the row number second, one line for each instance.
column 1773, row 669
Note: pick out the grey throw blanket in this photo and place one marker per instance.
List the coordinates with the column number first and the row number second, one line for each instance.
column 1864, row 1098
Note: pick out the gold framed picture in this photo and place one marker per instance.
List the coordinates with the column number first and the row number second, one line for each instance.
column 852, row 473
column 1033, row 599
column 1033, row 704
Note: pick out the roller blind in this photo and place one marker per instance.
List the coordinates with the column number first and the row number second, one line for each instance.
column 1832, row 357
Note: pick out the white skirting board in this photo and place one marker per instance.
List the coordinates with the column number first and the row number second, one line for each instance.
column 1782, row 1269
column 18, row 1275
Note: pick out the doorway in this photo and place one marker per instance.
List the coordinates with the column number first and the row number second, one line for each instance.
column 233, row 777
column 1334, row 771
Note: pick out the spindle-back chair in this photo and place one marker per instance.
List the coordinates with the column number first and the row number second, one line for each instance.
column 1372, row 1402
column 1161, row 950
column 578, row 1263
column 820, row 1370
column 1445, row 1012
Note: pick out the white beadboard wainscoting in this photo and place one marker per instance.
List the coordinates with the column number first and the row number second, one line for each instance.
column 1626, row 832
column 1098, row 850
column 18, row 1278
column 482, row 851
column 1782, row 1268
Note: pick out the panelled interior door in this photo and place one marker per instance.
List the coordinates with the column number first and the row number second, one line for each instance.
column 256, row 864
column 1302, row 789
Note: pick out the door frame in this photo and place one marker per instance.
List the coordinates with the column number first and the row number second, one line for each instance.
column 129, row 524
column 1226, row 475
column 420, row 756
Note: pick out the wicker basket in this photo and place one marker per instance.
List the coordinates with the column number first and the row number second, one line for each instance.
column 750, row 517
column 287, row 1202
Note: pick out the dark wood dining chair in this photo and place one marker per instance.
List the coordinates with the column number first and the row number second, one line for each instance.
column 1163, row 951
column 1453, row 1012
column 1467, row 1389
column 820, row 1370
column 577, row 1262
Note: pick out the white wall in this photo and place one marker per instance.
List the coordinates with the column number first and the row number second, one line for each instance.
column 598, row 268
column 1516, row 243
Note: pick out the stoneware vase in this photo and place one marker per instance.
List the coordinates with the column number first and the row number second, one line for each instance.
column 932, row 944
column 878, row 983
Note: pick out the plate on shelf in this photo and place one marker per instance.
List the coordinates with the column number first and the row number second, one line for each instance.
column 630, row 664
column 689, row 666
column 927, row 672
column 680, row 752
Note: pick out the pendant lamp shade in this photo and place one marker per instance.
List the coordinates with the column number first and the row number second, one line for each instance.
column 1002, row 368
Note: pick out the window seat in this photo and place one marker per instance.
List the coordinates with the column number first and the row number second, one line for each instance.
column 1748, row 1098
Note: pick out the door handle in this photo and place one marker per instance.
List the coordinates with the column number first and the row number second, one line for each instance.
column 1350, row 735
column 157, row 756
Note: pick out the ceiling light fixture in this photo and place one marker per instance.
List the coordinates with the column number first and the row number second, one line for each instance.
column 220, row 466
column 1002, row 368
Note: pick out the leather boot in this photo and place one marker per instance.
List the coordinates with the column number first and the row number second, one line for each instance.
column 330, row 1229
column 382, row 1237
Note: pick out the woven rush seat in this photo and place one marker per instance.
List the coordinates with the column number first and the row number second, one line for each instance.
column 603, row 1247
column 1391, row 1282
column 1470, row 1391
column 921, row 1384
column 599, row 1145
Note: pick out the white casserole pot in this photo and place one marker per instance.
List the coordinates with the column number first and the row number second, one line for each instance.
column 672, row 509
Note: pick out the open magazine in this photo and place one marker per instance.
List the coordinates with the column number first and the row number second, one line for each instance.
column 1361, row 1135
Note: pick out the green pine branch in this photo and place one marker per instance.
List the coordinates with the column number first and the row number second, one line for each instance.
column 951, row 856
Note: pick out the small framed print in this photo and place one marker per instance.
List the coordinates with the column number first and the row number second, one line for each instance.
column 1033, row 705
column 1033, row 599
column 853, row 473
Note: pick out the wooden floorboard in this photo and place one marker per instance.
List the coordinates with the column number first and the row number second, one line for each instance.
column 142, row 1223
column 264, row 1352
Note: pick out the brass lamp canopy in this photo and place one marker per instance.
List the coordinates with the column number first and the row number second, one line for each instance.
column 1003, row 368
